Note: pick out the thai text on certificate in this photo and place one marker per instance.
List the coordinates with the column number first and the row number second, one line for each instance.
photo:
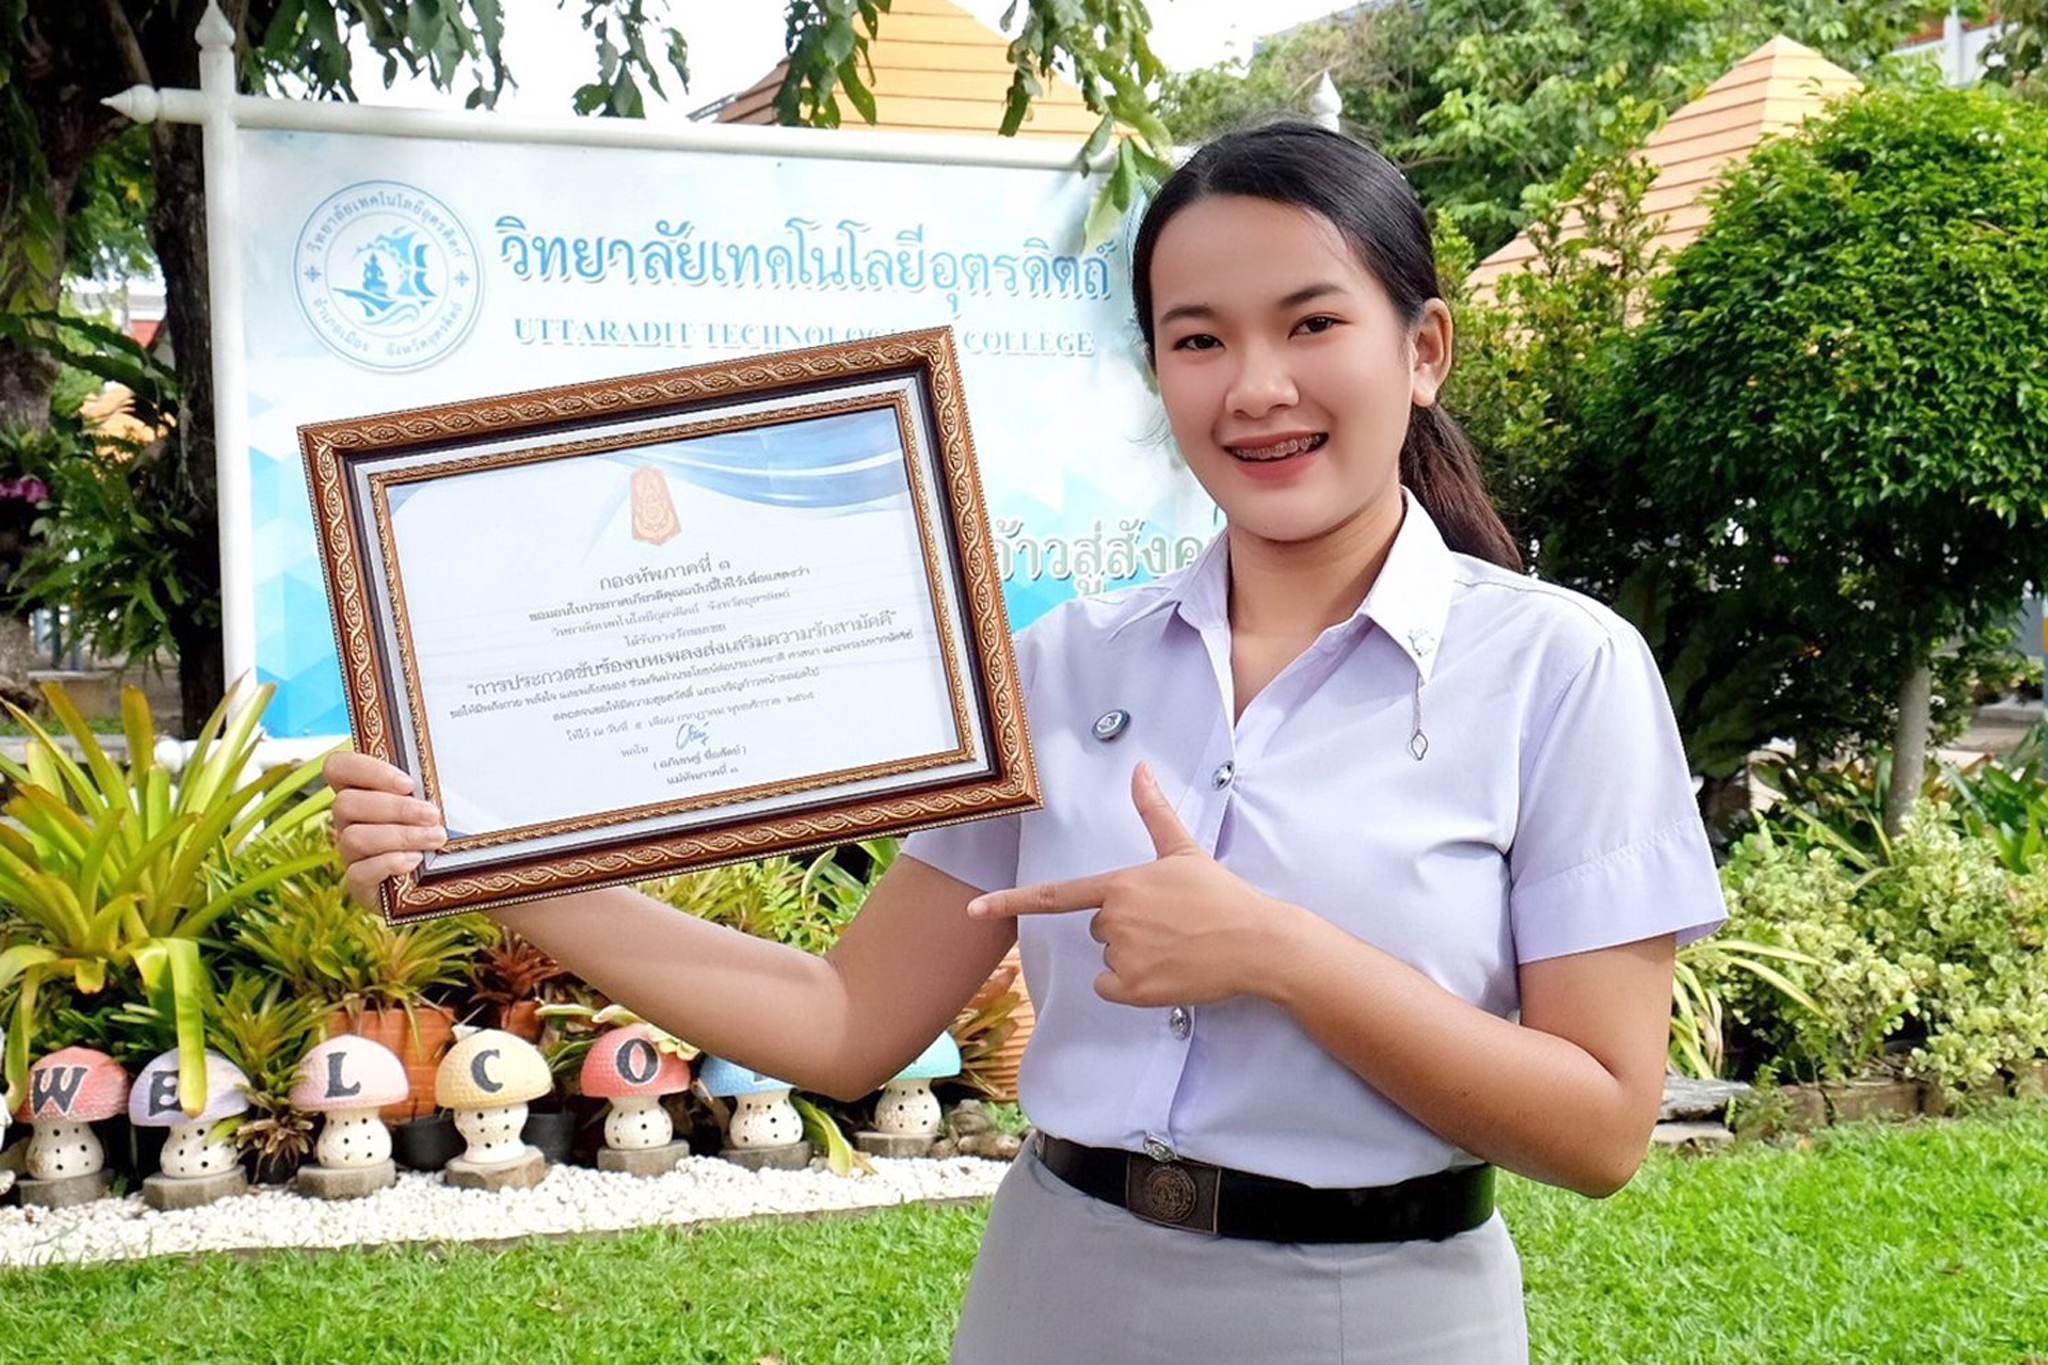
column 643, row 626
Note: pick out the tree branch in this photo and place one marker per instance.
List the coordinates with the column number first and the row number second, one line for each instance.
column 126, row 43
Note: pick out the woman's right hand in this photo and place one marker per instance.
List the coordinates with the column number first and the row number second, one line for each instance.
column 380, row 828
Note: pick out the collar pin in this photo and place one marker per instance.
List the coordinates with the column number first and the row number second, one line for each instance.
column 1110, row 724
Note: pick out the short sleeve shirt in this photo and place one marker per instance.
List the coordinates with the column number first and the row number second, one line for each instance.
column 1476, row 770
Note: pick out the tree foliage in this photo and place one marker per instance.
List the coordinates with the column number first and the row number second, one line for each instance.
column 1610, row 435
column 1837, row 400
column 1480, row 100
column 1845, row 368
column 2019, row 55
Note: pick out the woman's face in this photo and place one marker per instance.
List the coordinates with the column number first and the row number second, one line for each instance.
column 1287, row 374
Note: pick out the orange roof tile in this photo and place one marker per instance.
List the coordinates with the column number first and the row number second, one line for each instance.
column 1773, row 89
column 937, row 69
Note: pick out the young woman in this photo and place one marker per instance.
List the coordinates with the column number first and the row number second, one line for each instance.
column 1361, row 865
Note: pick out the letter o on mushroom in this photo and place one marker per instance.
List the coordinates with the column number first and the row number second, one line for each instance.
column 627, row 1066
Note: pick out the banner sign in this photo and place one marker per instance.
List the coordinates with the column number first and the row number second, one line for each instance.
column 391, row 272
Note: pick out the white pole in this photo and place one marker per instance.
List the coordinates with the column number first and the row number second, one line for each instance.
column 230, row 396
column 1326, row 106
column 145, row 103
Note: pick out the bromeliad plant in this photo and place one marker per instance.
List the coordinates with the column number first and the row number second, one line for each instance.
column 1699, row 1024
column 109, row 868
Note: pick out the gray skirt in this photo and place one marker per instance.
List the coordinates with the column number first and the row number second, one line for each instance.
column 1066, row 1279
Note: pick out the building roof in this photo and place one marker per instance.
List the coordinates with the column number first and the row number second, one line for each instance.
column 1773, row 89
column 937, row 69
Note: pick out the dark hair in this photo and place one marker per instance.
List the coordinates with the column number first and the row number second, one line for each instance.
column 1361, row 194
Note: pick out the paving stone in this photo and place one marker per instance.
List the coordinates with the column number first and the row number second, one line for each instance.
column 642, row 1160
column 791, row 1156
column 521, row 1173
column 346, row 1182
column 892, row 1144
column 1688, row 1098
column 62, row 1194
column 166, row 1192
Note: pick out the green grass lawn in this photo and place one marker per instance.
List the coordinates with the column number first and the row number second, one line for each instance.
column 1919, row 1243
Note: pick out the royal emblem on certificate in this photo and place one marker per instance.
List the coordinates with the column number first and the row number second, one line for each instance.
column 616, row 630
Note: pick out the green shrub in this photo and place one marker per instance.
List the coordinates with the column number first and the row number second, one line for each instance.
column 1806, row 900
column 1938, row 957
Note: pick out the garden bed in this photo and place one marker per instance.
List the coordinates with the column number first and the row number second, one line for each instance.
column 422, row 1208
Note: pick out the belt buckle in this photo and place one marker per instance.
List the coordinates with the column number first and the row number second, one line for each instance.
column 1172, row 1193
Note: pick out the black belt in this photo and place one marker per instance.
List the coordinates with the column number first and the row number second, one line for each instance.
column 1222, row 1202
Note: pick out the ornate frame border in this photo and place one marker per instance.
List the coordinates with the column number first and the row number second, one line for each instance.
column 382, row 696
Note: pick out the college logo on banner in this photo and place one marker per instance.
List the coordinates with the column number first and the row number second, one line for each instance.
column 387, row 275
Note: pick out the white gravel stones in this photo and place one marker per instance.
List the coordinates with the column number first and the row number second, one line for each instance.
column 421, row 1208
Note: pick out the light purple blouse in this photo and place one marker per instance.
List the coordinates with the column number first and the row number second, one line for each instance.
column 1550, row 812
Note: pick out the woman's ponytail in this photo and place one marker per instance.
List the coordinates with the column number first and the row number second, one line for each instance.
column 1440, row 467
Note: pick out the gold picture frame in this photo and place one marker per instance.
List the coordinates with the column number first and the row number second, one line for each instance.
column 390, row 585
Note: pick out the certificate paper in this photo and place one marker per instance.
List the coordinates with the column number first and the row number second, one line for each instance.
column 694, row 632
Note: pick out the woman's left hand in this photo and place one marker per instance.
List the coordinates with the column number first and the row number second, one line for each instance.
column 1179, row 930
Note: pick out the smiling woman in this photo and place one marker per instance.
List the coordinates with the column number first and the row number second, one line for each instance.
column 1343, row 961
column 1308, row 962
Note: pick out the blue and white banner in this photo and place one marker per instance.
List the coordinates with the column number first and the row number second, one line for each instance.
column 389, row 272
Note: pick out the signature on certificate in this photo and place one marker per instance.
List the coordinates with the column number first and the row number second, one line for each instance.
column 689, row 735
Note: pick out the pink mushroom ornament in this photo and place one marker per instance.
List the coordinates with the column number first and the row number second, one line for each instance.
column 629, row 1067
column 68, row 1092
column 198, row 1164
column 347, row 1079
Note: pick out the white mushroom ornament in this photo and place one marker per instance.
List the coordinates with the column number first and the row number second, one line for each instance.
column 193, row 1155
column 486, row 1080
column 765, row 1129
column 907, row 1116
column 629, row 1067
column 347, row 1079
column 68, row 1091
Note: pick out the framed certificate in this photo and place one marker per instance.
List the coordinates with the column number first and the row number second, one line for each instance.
column 622, row 629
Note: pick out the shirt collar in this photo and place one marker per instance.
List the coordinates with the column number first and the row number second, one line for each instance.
column 1410, row 600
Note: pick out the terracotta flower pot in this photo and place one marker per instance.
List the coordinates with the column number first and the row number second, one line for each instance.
column 1872, row 1098
column 421, row 1056
column 266, row 1169
column 426, row 1144
column 522, row 1019
column 1001, row 1068
column 551, row 1130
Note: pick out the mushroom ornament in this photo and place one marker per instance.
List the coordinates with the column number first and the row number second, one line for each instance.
column 68, row 1091
column 765, row 1129
column 196, row 1167
column 628, row 1067
column 486, row 1080
column 348, row 1079
column 907, row 1117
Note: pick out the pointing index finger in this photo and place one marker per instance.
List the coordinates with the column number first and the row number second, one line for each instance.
column 1043, row 898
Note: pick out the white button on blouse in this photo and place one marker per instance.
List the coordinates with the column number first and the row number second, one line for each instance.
column 1550, row 812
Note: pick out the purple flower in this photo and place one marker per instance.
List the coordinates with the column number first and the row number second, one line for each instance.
column 27, row 489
